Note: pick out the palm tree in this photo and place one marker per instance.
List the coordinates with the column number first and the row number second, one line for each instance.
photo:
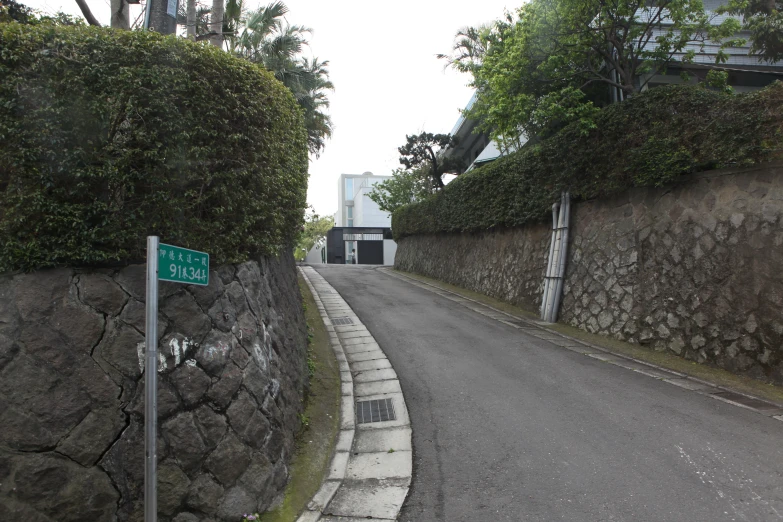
column 263, row 37
column 267, row 40
column 195, row 17
column 310, row 92
column 216, row 22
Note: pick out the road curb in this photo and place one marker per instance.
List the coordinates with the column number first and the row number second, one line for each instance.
column 362, row 467
column 694, row 384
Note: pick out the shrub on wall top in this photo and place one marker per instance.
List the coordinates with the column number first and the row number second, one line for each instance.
column 648, row 140
column 109, row 136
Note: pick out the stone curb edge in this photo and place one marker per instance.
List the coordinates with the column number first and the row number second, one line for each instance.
column 327, row 489
column 708, row 389
column 339, row 466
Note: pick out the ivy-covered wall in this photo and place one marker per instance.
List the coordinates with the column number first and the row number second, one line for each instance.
column 647, row 141
column 109, row 136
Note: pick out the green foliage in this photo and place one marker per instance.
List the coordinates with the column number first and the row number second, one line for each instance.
column 648, row 140
column 764, row 20
column 12, row 11
column 109, row 136
column 405, row 187
column 556, row 63
column 423, row 152
column 263, row 37
column 718, row 80
column 314, row 231
column 312, row 364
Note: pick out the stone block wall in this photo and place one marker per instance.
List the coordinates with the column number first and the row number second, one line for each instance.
column 692, row 268
column 505, row 264
column 231, row 377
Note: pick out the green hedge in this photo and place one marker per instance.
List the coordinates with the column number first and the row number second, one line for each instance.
column 109, row 136
column 648, row 140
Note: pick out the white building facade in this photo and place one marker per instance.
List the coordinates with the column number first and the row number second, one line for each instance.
column 362, row 231
column 354, row 206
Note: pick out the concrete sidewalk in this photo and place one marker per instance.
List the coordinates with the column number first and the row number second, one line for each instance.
column 371, row 470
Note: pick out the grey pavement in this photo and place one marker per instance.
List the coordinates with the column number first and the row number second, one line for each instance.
column 508, row 425
column 370, row 471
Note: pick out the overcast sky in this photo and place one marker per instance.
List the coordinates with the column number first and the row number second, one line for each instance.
column 387, row 80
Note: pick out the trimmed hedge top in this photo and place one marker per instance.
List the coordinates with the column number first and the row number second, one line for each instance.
column 109, row 136
column 648, row 140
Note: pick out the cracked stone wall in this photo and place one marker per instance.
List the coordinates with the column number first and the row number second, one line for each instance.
column 692, row 268
column 231, row 377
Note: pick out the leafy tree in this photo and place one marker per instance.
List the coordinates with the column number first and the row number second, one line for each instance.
column 313, row 232
column 263, row 37
column 554, row 64
column 310, row 92
column 405, row 187
column 472, row 43
column 12, row 11
column 194, row 16
column 764, row 20
column 425, row 151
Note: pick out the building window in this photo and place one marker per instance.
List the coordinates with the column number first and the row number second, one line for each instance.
column 349, row 190
column 350, row 212
column 350, row 223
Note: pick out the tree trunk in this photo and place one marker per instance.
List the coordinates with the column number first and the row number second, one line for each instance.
column 191, row 19
column 436, row 177
column 120, row 15
column 87, row 13
column 216, row 22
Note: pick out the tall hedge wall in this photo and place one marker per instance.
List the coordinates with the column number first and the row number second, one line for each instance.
column 109, row 136
column 648, row 140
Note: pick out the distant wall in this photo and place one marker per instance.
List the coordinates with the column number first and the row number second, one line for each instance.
column 389, row 251
column 314, row 255
column 231, row 379
column 692, row 268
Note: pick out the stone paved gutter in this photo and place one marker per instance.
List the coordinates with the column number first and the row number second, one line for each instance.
column 371, row 470
column 539, row 329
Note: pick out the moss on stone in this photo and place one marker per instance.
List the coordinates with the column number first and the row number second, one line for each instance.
column 315, row 442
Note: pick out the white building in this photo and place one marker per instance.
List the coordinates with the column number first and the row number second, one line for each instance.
column 362, row 231
column 354, row 206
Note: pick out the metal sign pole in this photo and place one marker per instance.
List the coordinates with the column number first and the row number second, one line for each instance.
column 151, row 385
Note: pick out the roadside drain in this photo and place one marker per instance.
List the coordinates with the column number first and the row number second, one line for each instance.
column 342, row 321
column 517, row 322
column 749, row 402
column 380, row 410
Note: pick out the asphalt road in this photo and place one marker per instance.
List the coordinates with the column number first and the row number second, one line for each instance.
column 510, row 427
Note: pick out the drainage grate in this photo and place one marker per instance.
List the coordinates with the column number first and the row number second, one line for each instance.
column 342, row 321
column 375, row 411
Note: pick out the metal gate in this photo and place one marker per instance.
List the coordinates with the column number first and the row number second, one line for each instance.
column 370, row 252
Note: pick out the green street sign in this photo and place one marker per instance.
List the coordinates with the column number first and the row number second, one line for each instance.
column 181, row 265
